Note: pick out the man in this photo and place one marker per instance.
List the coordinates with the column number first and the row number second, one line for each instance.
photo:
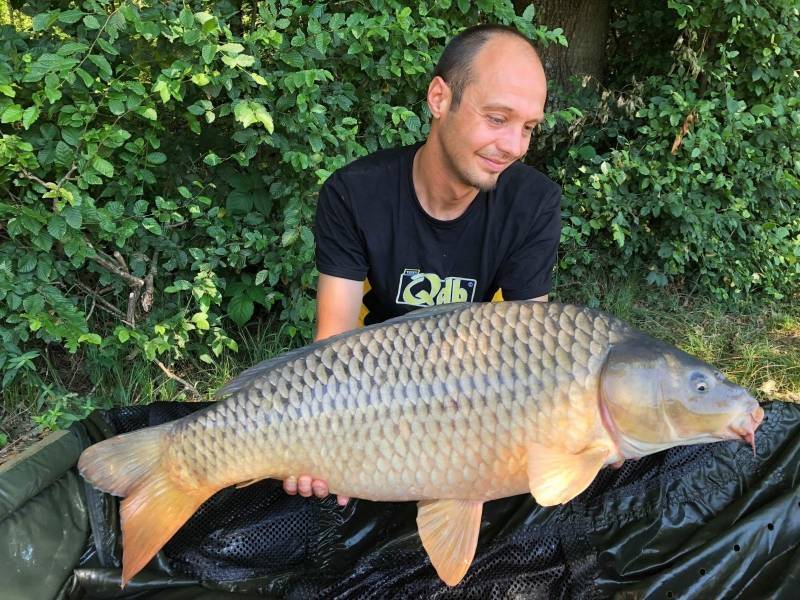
column 457, row 218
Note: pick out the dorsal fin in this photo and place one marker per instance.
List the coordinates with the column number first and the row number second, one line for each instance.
column 248, row 375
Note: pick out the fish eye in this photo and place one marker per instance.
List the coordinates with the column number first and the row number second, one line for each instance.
column 700, row 382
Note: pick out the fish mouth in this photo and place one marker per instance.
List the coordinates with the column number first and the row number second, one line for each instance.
column 745, row 427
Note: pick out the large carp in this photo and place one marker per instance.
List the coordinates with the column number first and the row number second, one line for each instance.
column 450, row 406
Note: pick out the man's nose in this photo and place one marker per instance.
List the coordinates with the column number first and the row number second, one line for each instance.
column 513, row 142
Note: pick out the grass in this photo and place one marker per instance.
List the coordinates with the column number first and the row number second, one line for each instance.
column 757, row 345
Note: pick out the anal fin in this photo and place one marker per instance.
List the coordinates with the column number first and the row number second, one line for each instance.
column 556, row 476
column 449, row 531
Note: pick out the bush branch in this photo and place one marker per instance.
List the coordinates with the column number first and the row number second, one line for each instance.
column 188, row 386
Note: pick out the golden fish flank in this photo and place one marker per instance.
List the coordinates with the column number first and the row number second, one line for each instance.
column 451, row 406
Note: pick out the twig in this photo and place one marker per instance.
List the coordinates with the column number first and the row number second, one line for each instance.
column 27, row 175
column 189, row 387
column 103, row 303
column 66, row 177
column 123, row 265
column 132, row 279
column 147, row 296
column 91, row 310
column 133, row 297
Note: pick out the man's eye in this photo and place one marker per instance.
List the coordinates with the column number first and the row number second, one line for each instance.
column 496, row 120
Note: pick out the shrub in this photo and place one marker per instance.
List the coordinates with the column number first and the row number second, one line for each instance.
column 159, row 161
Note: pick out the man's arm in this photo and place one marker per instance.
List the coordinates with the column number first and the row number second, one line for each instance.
column 338, row 305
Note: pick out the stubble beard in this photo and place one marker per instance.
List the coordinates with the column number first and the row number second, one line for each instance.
column 485, row 184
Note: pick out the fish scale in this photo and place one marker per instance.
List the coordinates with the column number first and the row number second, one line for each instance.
column 491, row 375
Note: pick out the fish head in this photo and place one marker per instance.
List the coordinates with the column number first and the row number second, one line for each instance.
column 654, row 396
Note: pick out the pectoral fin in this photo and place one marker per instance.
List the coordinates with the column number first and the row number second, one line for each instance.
column 556, row 477
column 449, row 531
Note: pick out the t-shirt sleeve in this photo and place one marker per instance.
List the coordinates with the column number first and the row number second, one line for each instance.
column 527, row 270
column 340, row 250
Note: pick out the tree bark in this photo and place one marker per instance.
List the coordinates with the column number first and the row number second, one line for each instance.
column 585, row 25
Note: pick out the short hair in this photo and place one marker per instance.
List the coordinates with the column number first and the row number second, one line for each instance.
column 455, row 64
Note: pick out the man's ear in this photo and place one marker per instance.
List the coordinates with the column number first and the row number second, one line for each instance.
column 439, row 97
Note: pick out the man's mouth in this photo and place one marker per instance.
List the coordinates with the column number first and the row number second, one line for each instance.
column 494, row 165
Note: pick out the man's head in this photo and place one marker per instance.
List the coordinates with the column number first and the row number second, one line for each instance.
column 487, row 94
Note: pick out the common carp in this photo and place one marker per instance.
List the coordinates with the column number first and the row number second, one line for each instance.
column 451, row 406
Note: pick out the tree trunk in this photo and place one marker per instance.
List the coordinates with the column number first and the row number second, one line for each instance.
column 585, row 25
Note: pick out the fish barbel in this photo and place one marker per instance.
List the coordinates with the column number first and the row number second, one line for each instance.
column 450, row 406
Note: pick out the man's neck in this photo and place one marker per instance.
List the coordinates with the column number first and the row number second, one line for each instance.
column 440, row 194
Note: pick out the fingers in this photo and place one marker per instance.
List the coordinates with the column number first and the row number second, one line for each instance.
column 305, row 486
column 320, row 488
column 342, row 500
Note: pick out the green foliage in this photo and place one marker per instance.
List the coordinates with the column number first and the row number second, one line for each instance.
column 716, row 207
column 159, row 161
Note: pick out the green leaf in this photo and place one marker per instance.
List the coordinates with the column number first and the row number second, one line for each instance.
column 259, row 79
column 200, row 320
column 212, row 160
column 186, row 18
column 292, row 58
column 200, row 79
column 240, row 309
column 289, row 237
column 529, row 13
column 103, row 166
column 102, row 64
column 90, row 338
column 11, row 114
column 162, row 87
column 152, row 226
column 116, row 106
column 26, row 263
column 148, row 113
column 242, row 60
column 239, row 202
column 70, row 16
column 73, row 217
column 208, row 52
column 248, row 112
column 156, row 158
column 107, row 47
column 44, row 21
column 57, row 227
column 91, row 22
column 29, row 116
column 261, row 276
column 232, row 48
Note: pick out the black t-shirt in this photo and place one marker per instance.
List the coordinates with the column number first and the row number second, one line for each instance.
column 370, row 225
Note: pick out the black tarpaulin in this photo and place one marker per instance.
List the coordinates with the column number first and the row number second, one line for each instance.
column 692, row 522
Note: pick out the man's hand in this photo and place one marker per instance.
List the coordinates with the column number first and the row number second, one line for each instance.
column 306, row 486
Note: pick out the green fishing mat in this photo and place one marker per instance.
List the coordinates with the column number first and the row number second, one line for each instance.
column 710, row 521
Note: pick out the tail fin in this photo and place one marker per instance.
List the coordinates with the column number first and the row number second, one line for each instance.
column 155, row 506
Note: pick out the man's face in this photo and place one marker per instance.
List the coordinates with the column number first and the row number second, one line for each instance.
column 504, row 101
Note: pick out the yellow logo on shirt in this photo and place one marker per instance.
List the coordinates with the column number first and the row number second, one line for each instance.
column 428, row 289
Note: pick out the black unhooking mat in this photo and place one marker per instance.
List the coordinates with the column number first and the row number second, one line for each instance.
column 709, row 521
